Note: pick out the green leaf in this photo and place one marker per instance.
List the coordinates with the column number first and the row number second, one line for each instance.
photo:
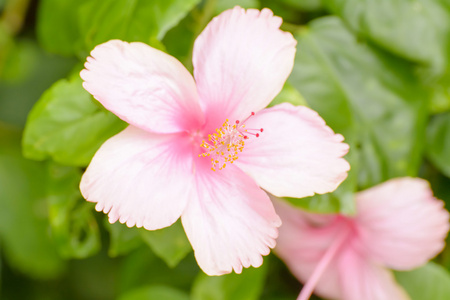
column 305, row 5
column 58, row 30
column 288, row 13
column 438, row 142
column 74, row 227
column 179, row 41
column 142, row 266
column 245, row 286
column 440, row 89
column 24, row 75
column 75, row 27
column 122, row 238
column 155, row 292
column 441, row 99
column 26, row 242
column 228, row 4
column 289, row 94
column 67, row 126
column 280, row 284
column 369, row 96
column 418, row 30
column 17, row 60
column 431, row 281
column 94, row 278
column 169, row 244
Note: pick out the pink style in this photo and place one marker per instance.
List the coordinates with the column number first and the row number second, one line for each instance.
column 399, row 225
column 205, row 149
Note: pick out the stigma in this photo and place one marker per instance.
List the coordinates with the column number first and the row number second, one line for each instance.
column 227, row 142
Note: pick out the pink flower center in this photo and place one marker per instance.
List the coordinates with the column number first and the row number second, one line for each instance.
column 227, row 142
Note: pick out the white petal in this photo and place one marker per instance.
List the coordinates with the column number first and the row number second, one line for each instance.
column 140, row 178
column 241, row 61
column 143, row 86
column 296, row 155
column 231, row 222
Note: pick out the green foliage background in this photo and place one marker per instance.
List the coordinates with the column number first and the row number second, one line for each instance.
column 377, row 71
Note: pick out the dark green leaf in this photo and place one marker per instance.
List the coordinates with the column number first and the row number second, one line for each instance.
column 179, row 41
column 156, row 292
column 17, row 59
column 170, row 243
column 369, row 96
column 93, row 278
column 431, row 281
column 245, row 286
column 75, row 27
column 283, row 10
column 26, row 242
column 438, row 142
column 280, row 284
column 122, row 238
column 67, row 125
column 74, row 227
column 418, row 30
column 143, row 267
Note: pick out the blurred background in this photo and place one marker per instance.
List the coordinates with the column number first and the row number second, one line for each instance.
column 377, row 71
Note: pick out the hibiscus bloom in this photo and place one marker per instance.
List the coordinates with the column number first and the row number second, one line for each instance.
column 399, row 225
column 203, row 149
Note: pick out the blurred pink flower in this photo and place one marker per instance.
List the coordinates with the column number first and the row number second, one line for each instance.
column 399, row 225
column 181, row 154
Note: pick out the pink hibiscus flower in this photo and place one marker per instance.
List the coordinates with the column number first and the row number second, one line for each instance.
column 399, row 225
column 203, row 149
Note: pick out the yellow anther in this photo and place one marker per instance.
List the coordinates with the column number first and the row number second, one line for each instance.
column 226, row 142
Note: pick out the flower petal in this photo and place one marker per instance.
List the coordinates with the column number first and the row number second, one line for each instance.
column 140, row 178
column 143, row 86
column 303, row 240
column 297, row 155
column 401, row 224
column 241, row 61
column 231, row 222
column 362, row 279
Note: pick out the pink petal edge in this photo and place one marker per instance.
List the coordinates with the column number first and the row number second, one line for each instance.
column 296, row 155
column 122, row 183
column 231, row 222
column 143, row 86
column 303, row 241
column 241, row 62
column 400, row 223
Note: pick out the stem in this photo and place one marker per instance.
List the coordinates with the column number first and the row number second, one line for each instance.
column 308, row 288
